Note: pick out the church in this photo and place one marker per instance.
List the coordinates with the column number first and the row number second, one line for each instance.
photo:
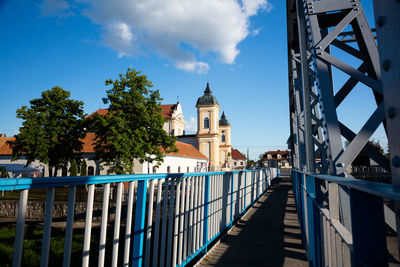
column 213, row 137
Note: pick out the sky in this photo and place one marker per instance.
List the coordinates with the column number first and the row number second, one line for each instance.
column 239, row 46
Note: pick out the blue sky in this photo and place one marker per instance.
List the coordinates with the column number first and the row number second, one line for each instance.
column 239, row 46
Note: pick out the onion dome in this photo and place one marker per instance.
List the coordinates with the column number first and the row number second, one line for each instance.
column 207, row 98
column 223, row 121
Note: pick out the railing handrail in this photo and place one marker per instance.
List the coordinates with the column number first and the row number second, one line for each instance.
column 374, row 188
column 45, row 182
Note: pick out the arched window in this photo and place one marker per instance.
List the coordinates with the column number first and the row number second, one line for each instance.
column 154, row 169
column 91, row 170
column 223, row 138
column 168, row 169
column 206, row 123
column 188, row 169
column 179, row 169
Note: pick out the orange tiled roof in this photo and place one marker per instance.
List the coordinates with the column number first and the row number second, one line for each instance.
column 185, row 150
column 237, row 155
column 4, row 148
column 166, row 111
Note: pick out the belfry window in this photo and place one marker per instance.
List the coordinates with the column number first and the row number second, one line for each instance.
column 206, row 123
column 223, row 138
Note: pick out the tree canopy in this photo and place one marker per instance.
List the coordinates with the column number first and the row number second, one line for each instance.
column 133, row 127
column 51, row 129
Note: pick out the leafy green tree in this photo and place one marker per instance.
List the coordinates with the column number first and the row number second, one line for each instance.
column 133, row 127
column 3, row 172
column 51, row 129
column 83, row 168
column 73, row 169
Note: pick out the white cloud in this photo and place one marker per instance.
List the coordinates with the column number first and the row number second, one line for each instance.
column 60, row 8
column 182, row 31
column 193, row 66
column 191, row 125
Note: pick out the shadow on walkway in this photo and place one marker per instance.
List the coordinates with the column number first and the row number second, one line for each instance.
column 268, row 235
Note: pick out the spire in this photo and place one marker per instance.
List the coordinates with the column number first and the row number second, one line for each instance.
column 223, row 116
column 223, row 121
column 208, row 90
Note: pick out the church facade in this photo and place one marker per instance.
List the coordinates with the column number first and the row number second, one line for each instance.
column 213, row 137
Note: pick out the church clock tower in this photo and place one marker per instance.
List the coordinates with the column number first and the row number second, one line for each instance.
column 208, row 128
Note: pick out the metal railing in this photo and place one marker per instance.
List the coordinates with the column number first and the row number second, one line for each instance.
column 170, row 218
column 327, row 241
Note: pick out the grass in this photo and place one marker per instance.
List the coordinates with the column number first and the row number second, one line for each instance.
column 33, row 245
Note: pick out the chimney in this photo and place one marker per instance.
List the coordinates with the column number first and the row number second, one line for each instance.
column 2, row 135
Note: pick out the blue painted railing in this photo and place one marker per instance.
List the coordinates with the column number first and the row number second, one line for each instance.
column 175, row 219
column 327, row 241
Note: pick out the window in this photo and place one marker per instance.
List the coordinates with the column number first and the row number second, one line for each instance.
column 154, row 169
column 279, row 156
column 179, row 169
column 168, row 169
column 234, row 163
column 223, row 138
column 91, row 170
column 206, row 123
column 188, row 169
column 241, row 163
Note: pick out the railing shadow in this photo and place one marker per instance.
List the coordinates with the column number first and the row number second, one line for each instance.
column 270, row 236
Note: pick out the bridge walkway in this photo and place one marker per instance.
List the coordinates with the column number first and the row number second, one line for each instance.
column 268, row 235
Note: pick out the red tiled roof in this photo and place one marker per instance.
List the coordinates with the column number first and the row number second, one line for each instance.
column 184, row 150
column 166, row 111
column 4, row 148
column 187, row 151
column 237, row 155
column 277, row 152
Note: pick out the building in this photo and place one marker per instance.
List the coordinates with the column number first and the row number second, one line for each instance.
column 213, row 137
column 239, row 160
column 187, row 159
column 277, row 158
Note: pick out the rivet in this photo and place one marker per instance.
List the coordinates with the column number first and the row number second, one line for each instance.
column 380, row 21
column 386, row 65
column 391, row 112
column 396, row 161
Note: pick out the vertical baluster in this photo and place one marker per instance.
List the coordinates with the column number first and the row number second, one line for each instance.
column 149, row 224
column 103, row 231
column 195, row 207
column 206, row 209
column 128, row 230
column 231, row 197
column 44, row 258
column 157, row 223
column 70, row 226
column 181, row 221
column 88, row 226
column 138, row 234
column 117, row 223
column 19, row 230
column 164, row 221
column 176, row 224
column 190, row 226
column 186, row 227
column 199, row 205
column 170, row 222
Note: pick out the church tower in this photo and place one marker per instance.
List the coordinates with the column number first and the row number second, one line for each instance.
column 225, row 147
column 208, row 138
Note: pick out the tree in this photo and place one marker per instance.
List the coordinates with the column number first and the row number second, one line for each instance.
column 3, row 172
column 51, row 129
column 83, row 168
column 73, row 170
column 133, row 127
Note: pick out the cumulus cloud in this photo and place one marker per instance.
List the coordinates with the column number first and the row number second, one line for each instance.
column 191, row 125
column 182, row 31
column 60, row 8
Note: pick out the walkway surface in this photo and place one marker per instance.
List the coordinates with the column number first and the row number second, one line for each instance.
column 268, row 235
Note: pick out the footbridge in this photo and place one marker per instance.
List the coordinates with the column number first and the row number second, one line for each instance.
column 324, row 212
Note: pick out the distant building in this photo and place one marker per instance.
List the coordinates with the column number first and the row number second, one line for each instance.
column 277, row 158
column 239, row 160
column 213, row 137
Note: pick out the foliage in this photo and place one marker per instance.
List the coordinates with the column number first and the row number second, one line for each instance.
column 133, row 127
column 51, row 129
column 83, row 168
column 73, row 170
column 3, row 172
